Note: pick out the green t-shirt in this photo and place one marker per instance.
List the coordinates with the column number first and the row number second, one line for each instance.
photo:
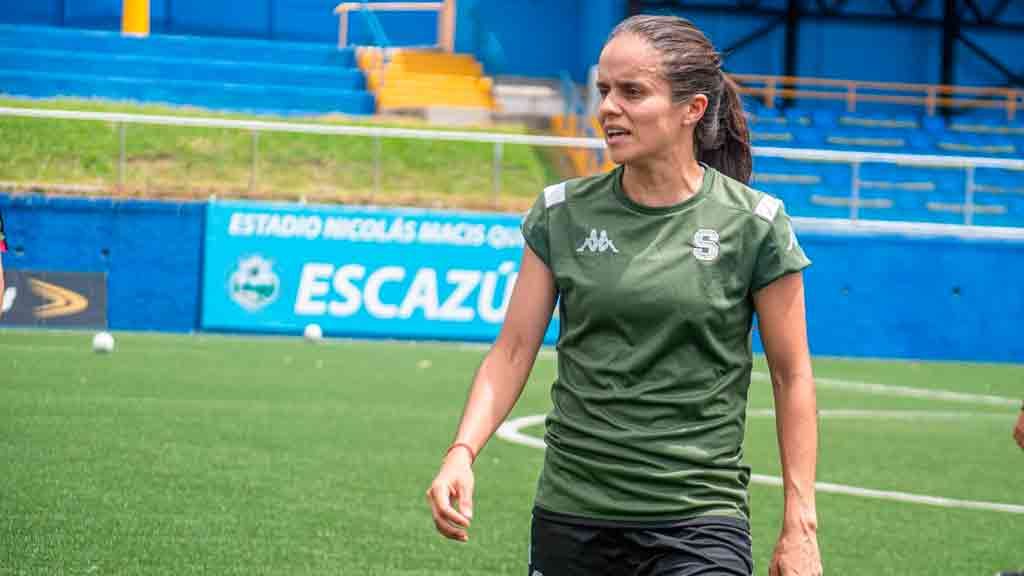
column 654, row 357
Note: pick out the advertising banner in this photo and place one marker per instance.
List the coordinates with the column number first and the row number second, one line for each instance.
column 359, row 272
column 54, row 299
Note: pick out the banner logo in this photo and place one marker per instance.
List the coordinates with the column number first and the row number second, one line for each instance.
column 254, row 285
column 59, row 301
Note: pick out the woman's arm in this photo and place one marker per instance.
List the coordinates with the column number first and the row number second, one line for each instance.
column 783, row 326
column 3, row 289
column 3, row 248
column 497, row 385
column 1018, row 430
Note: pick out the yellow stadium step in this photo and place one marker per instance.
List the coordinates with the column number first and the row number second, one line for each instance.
column 425, row 79
column 369, row 59
column 425, row 96
column 436, row 62
column 382, row 77
column 396, row 100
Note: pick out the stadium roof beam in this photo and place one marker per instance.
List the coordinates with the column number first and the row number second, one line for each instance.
column 958, row 16
column 827, row 12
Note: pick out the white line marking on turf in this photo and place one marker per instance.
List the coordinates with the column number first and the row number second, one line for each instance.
column 851, row 414
column 855, row 386
column 905, row 391
column 898, row 496
column 42, row 347
column 510, row 432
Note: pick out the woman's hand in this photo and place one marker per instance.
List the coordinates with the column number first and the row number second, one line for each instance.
column 796, row 554
column 451, row 495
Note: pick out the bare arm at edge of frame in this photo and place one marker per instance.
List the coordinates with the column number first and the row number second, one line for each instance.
column 3, row 289
column 783, row 325
column 496, row 387
column 1018, row 430
column 3, row 247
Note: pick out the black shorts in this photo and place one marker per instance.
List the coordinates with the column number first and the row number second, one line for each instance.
column 706, row 546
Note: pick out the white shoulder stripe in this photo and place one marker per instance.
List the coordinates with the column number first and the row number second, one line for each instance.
column 768, row 207
column 554, row 195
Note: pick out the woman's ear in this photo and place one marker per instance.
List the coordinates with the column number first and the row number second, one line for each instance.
column 694, row 109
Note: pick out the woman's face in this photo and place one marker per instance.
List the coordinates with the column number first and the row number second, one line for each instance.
column 640, row 121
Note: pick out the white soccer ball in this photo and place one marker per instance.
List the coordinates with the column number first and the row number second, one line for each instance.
column 312, row 333
column 103, row 343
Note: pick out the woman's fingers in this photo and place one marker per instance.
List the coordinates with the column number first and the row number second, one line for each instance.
column 449, row 522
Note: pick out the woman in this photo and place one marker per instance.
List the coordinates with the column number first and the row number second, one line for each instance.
column 657, row 268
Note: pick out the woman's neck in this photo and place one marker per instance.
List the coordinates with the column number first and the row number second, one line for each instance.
column 664, row 182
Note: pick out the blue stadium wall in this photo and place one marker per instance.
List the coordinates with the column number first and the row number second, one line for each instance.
column 938, row 298
column 868, row 295
column 541, row 38
column 150, row 250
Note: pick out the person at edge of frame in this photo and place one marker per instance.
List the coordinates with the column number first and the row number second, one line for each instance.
column 3, row 248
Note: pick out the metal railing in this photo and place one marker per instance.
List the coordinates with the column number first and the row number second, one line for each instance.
column 857, row 159
column 931, row 97
column 255, row 127
column 445, row 18
column 854, row 159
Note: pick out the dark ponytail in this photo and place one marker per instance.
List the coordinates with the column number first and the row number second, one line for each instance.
column 691, row 66
column 726, row 146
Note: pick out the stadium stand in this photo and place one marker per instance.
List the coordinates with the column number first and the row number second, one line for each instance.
column 805, row 127
column 217, row 73
column 409, row 78
column 984, row 127
column 890, row 191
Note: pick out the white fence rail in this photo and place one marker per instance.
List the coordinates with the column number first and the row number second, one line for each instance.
column 255, row 127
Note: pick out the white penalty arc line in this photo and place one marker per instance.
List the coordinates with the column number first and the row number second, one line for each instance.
column 510, row 431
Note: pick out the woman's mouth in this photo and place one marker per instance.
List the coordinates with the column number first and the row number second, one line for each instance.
column 614, row 135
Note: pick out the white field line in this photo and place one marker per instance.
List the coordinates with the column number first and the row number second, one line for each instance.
column 905, row 391
column 898, row 496
column 42, row 347
column 550, row 353
column 510, row 431
column 854, row 414
column 86, row 346
column 850, row 385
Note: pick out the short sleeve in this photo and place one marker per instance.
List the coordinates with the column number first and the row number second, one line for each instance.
column 779, row 252
column 535, row 230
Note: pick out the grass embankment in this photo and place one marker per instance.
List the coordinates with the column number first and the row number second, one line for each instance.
column 82, row 157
